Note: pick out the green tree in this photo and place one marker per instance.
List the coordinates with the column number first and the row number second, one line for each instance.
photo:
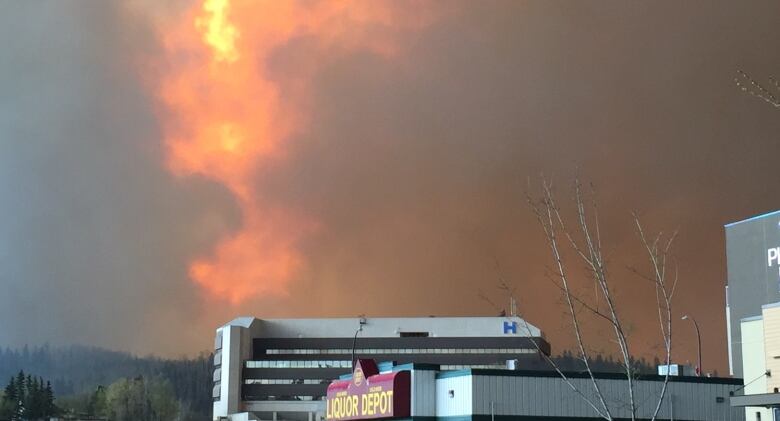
column 8, row 401
column 19, row 409
column 51, row 409
column 10, row 393
column 32, row 403
column 120, row 402
column 26, row 398
column 163, row 401
column 6, row 408
column 74, row 405
column 28, row 386
column 141, row 399
column 97, row 406
column 20, row 387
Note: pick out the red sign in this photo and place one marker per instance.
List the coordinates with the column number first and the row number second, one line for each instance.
column 369, row 395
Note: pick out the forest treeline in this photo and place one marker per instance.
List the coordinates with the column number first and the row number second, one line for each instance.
column 27, row 397
column 80, row 369
column 567, row 361
column 76, row 373
column 80, row 375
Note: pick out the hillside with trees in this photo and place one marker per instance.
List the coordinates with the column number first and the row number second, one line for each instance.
column 105, row 384
column 84, row 380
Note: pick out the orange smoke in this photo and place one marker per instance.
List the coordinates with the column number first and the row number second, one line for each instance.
column 228, row 119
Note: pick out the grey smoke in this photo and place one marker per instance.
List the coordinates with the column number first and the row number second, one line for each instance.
column 415, row 167
column 95, row 234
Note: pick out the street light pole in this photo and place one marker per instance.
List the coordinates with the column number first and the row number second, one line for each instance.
column 698, row 338
column 361, row 322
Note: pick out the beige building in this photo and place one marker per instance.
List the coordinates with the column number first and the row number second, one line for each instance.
column 760, row 346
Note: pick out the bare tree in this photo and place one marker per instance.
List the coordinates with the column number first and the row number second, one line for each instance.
column 758, row 90
column 582, row 240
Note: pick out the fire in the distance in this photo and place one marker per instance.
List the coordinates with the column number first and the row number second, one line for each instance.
column 228, row 118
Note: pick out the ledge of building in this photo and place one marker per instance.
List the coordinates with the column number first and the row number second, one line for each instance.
column 765, row 399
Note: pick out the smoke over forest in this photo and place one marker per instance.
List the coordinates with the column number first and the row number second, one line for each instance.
column 386, row 159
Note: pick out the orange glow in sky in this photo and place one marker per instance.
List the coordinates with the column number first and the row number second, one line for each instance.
column 227, row 118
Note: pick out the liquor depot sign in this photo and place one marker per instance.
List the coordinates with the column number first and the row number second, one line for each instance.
column 369, row 395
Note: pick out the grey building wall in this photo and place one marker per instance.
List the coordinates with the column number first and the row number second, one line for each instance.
column 480, row 394
column 423, row 393
column 751, row 278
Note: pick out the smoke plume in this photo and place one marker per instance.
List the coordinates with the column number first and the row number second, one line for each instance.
column 164, row 170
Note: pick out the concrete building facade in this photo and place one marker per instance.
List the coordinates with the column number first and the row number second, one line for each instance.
column 281, row 368
column 753, row 276
column 760, row 351
column 537, row 395
column 754, row 365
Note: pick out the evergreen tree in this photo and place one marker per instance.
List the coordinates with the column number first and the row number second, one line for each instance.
column 8, row 403
column 10, row 391
column 20, row 387
column 21, row 396
column 29, row 386
column 49, row 407
column 33, row 398
column 27, row 398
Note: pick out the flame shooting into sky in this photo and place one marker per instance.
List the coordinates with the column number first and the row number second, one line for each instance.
column 228, row 117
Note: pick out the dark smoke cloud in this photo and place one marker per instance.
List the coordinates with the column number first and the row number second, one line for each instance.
column 418, row 167
column 415, row 166
column 95, row 233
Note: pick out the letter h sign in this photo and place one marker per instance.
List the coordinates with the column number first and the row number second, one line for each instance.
column 510, row 327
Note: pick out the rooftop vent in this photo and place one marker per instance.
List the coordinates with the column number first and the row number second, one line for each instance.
column 414, row 334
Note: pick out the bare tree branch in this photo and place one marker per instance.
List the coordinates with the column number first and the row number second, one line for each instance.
column 547, row 221
column 664, row 294
column 603, row 414
column 749, row 85
column 599, row 272
column 504, row 286
column 585, row 241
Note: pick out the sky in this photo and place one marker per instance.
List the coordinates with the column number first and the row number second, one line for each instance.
column 164, row 169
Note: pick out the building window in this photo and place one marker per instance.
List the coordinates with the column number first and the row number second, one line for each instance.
column 218, row 341
column 299, row 364
column 392, row 351
column 414, row 334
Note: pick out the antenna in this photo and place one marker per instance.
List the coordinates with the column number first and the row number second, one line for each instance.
column 512, row 306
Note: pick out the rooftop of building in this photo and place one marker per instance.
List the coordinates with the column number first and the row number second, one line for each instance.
column 753, row 218
column 382, row 327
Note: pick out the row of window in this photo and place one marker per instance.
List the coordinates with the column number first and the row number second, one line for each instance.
column 463, row 367
column 300, row 364
column 403, row 351
column 291, row 398
column 286, row 381
column 345, row 364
